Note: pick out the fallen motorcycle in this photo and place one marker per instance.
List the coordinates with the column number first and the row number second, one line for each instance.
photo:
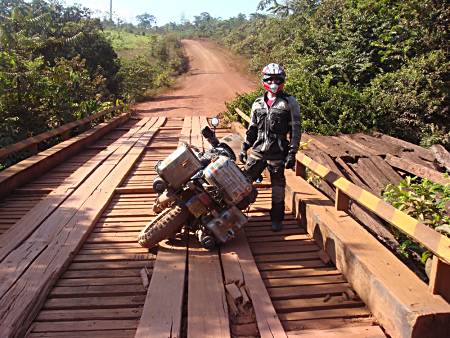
column 204, row 190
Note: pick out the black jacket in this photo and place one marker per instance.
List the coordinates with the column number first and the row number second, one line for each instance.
column 269, row 127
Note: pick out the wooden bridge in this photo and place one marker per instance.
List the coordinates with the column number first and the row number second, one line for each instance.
column 70, row 265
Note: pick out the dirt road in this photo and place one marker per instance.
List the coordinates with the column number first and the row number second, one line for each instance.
column 211, row 80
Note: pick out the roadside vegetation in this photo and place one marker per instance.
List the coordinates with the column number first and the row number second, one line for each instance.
column 149, row 61
column 57, row 65
column 427, row 202
column 354, row 65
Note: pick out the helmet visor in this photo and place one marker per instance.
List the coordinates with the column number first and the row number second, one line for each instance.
column 273, row 79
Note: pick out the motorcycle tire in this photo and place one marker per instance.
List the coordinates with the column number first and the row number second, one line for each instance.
column 164, row 226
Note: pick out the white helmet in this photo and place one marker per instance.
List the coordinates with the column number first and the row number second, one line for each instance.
column 273, row 77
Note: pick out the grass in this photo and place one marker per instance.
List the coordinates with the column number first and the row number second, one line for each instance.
column 129, row 45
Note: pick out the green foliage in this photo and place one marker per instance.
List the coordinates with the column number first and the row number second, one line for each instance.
column 354, row 65
column 243, row 102
column 57, row 66
column 422, row 199
column 148, row 63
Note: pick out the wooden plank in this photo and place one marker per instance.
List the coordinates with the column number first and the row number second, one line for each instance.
column 328, row 323
column 162, row 312
column 206, row 296
column 325, row 314
column 242, row 115
column 417, row 169
column 316, row 303
column 28, row 169
column 306, row 291
column 425, row 154
column 354, row 332
column 31, row 221
column 368, row 176
column 85, row 325
column 32, row 141
column 387, row 170
column 161, row 315
column 267, row 319
column 24, row 297
column 84, row 334
column 377, row 174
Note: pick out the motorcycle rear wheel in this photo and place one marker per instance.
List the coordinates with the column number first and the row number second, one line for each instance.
column 165, row 225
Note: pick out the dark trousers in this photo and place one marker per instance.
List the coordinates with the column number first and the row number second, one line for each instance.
column 254, row 167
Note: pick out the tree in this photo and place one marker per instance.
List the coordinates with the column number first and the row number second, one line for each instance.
column 146, row 20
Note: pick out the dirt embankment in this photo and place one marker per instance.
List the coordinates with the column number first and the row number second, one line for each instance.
column 212, row 79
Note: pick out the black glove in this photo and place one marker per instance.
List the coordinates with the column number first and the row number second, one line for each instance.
column 290, row 161
column 243, row 153
column 243, row 156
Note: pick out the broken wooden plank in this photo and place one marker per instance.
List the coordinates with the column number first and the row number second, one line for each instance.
column 386, row 169
column 350, row 174
column 162, row 312
column 268, row 322
column 417, row 169
column 442, row 156
column 376, row 175
column 418, row 151
column 206, row 295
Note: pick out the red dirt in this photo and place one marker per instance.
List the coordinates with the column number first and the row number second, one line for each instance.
column 212, row 79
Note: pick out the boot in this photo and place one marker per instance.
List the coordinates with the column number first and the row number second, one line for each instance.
column 277, row 216
column 277, row 226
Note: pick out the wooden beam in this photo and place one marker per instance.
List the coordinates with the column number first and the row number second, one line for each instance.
column 428, row 237
column 417, row 169
column 342, row 201
column 242, row 115
column 416, row 313
column 440, row 279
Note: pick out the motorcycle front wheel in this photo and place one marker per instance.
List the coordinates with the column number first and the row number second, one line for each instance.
column 164, row 226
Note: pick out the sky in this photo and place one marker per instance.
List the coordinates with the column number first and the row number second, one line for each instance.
column 168, row 10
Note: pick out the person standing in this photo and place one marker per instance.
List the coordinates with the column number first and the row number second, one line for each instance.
column 274, row 116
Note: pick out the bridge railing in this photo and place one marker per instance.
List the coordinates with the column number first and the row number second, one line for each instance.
column 63, row 131
column 346, row 191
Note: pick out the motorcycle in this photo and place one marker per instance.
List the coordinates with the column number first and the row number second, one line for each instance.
column 207, row 191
